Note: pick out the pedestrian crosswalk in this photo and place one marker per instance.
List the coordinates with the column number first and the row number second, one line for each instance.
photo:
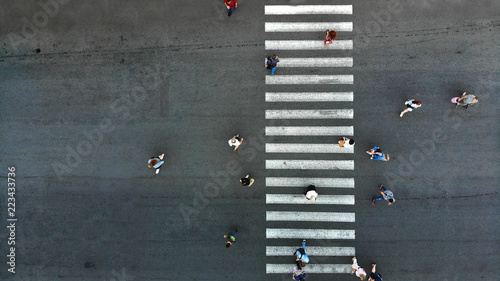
column 307, row 26
column 309, row 79
column 298, row 156
column 309, row 97
column 309, row 130
column 308, row 9
column 299, row 199
column 307, row 45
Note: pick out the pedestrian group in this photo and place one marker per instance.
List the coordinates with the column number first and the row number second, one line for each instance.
column 376, row 154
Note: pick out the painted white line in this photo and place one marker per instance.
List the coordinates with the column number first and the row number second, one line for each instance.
column 273, row 251
column 310, row 114
column 301, row 199
column 308, row 26
column 310, row 164
column 306, row 148
column 310, row 216
column 309, row 131
column 294, row 233
column 309, row 79
column 311, row 268
column 308, row 9
column 303, row 182
column 307, row 45
column 309, row 97
column 316, row 62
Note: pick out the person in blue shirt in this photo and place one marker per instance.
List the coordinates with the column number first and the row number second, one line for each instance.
column 301, row 256
column 377, row 154
column 156, row 162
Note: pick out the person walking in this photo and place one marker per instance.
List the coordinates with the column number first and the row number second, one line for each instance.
column 387, row 195
column 378, row 155
column 360, row 272
column 311, row 193
column 410, row 105
column 231, row 238
column 247, row 180
column 467, row 99
column 272, row 62
column 301, row 257
column 346, row 142
column 235, row 141
column 156, row 162
column 373, row 275
column 299, row 274
column 231, row 6
column 330, row 36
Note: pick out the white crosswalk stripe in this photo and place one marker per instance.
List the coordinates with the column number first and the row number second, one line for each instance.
column 307, row 26
column 310, row 114
column 309, row 216
column 311, row 268
column 301, row 199
column 309, row 97
column 310, row 164
column 318, row 182
column 309, row 79
column 287, row 210
column 309, row 130
column 316, row 62
column 307, row 45
column 294, row 233
column 312, row 251
column 307, row 9
column 306, row 148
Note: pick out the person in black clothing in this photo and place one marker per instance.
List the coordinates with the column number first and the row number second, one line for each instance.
column 272, row 62
column 247, row 180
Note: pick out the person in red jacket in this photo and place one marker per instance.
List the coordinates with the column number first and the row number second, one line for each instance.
column 231, row 6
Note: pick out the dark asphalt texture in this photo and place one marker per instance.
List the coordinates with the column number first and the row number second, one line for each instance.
column 99, row 87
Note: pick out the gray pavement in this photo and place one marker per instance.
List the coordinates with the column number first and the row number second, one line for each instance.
column 99, row 87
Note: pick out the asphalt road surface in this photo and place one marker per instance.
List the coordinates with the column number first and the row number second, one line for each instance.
column 90, row 90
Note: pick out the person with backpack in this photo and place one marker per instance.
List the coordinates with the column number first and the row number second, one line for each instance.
column 301, row 257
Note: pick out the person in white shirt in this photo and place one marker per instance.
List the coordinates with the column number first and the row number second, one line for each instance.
column 346, row 142
column 311, row 193
column 410, row 105
column 360, row 272
column 235, row 141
